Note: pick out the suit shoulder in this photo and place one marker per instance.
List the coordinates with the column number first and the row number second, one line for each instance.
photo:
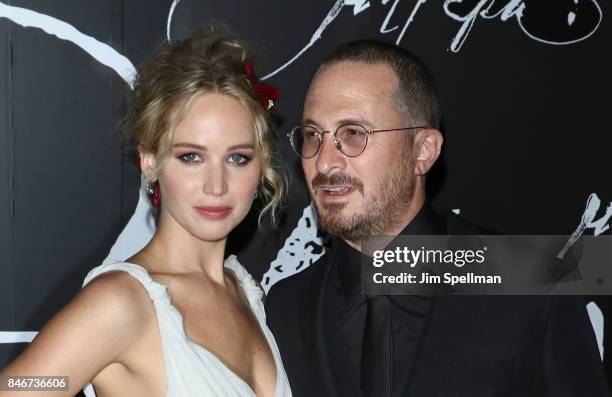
column 291, row 285
column 288, row 284
column 461, row 226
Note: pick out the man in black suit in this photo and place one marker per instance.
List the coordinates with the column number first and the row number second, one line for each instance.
column 369, row 135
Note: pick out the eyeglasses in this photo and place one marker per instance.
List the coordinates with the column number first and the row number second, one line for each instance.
column 350, row 139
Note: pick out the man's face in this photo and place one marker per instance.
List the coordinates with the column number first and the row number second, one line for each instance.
column 357, row 197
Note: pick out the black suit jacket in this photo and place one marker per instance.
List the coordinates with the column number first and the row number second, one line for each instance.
column 472, row 346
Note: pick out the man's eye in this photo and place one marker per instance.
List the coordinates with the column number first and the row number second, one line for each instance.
column 239, row 159
column 310, row 135
column 190, row 158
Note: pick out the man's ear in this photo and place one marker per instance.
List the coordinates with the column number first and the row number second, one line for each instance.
column 426, row 150
column 148, row 165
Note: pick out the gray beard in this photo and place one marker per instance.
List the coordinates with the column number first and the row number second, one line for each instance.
column 378, row 215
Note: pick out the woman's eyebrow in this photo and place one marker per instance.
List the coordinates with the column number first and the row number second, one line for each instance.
column 203, row 148
column 242, row 146
column 189, row 146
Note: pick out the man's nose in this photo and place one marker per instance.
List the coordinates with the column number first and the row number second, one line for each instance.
column 215, row 180
column 329, row 156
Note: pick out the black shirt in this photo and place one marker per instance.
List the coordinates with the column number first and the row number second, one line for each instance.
column 409, row 313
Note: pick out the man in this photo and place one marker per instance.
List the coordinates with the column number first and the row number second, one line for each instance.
column 369, row 136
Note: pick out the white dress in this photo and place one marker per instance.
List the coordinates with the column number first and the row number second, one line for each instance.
column 190, row 369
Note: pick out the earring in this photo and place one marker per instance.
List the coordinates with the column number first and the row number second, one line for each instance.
column 154, row 193
column 256, row 195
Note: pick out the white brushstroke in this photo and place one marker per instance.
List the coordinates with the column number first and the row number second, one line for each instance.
column 383, row 28
column 467, row 22
column 170, row 15
column 597, row 321
column 358, row 5
column 331, row 15
column 138, row 231
column 292, row 252
column 89, row 391
column 101, row 52
column 531, row 36
column 514, row 9
column 587, row 222
column 409, row 21
column 17, row 337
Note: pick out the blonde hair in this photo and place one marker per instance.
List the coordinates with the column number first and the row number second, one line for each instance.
column 210, row 61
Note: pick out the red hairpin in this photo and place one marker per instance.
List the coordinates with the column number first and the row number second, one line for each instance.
column 267, row 94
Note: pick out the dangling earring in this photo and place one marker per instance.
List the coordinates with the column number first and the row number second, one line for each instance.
column 154, row 193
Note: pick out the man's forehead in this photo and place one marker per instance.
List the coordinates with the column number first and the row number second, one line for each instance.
column 355, row 75
column 347, row 90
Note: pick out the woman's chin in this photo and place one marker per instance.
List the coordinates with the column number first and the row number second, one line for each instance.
column 212, row 234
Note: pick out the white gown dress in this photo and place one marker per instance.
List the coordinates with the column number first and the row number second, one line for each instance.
column 190, row 369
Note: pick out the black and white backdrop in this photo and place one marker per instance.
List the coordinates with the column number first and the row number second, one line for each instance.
column 526, row 96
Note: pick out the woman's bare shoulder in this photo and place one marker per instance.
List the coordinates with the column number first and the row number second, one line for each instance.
column 117, row 295
column 92, row 331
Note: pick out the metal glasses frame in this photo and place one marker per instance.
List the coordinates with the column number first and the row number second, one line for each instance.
column 337, row 142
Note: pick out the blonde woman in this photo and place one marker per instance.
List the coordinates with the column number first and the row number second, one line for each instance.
column 176, row 319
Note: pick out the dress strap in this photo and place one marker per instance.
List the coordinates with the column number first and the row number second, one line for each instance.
column 156, row 290
column 251, row 288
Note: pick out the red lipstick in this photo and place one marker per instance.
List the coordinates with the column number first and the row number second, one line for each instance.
column 214, row 212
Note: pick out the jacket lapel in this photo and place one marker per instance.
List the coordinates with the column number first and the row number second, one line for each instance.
column 330, row 358
column 450, row 322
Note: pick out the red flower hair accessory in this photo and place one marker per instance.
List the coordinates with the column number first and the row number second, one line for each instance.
column 267, row 93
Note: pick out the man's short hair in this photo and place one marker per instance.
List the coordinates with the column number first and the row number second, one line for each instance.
column 416, row 94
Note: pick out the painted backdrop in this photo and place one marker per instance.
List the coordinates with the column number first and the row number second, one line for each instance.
column 525, row 88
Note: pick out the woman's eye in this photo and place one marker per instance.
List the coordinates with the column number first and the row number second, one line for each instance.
column 190, row 158
column 238, row 159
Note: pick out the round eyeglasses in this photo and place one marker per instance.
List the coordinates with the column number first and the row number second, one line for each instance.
column 350, row 139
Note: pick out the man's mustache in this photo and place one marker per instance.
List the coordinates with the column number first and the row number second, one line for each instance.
column 337, row 179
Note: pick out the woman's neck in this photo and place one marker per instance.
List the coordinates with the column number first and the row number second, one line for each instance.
column 174, row 250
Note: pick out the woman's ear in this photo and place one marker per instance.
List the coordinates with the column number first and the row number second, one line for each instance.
column 148, row 164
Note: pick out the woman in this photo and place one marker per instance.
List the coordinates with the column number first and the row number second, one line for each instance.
column 176, row 319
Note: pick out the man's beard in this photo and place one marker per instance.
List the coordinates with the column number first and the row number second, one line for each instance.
column 379, row 213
